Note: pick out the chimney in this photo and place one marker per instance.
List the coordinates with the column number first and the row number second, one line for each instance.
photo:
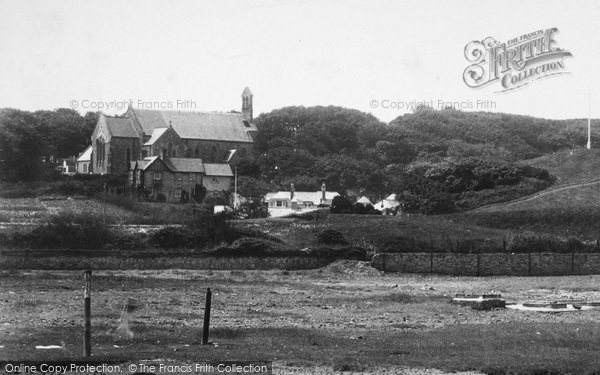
column 292, row 191
column 323, row 195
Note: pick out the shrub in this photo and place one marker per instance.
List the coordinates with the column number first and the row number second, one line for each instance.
column 161, row 198
column 177, row 237
column 199, row 193
column 331, row 237
column 250, row 247
column 311, row 215
column 340, row 205
column 252, row 210
column 68, row 231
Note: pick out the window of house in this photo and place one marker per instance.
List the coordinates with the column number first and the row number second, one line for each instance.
column 246, row 123
column 177, row 193
column 138, row 174
column 177, row 176
column 131, row 176
column 157, row 176
column 279, row 203
column 191, row 177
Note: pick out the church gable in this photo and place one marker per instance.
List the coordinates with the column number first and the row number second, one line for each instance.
column 166, row 143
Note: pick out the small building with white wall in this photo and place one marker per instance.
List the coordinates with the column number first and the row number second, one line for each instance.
column 283, row 203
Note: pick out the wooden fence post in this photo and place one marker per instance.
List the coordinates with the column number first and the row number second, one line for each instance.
column 431, row 262
column 87, row 324
column 206, row 325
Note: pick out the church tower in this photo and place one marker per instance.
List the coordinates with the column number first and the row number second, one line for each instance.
column 247, row 104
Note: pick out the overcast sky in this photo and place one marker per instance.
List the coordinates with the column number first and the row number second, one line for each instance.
column 347, row 53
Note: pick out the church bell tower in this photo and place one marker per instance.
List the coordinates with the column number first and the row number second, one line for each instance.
column 247, row 104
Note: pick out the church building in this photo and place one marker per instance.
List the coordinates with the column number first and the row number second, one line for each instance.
column 192, row 143
column 213, row 137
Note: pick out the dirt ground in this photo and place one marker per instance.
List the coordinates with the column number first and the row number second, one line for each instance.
column 347, row 304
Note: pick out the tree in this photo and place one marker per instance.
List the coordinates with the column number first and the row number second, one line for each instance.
column 341, row 205
column 21, row 146
column 199, row 193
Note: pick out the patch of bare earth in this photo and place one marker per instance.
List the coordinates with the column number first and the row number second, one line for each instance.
column 302, row 320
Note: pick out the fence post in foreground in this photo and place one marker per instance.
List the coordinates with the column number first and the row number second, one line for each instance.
column 87, row 325
column 206, row 325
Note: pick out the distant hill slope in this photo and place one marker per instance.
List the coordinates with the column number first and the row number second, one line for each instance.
column 581, row 194
column 571, row 210
column 569, row 166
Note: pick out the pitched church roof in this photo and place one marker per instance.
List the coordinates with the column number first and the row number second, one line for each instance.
column 156, row 134
column 196, row 125
column 120, row 127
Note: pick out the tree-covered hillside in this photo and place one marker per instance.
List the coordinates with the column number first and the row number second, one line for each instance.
column 452, row 133
column 437, row 160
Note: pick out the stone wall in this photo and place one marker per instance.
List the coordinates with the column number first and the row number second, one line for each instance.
column 490, row 264
column 66, row 262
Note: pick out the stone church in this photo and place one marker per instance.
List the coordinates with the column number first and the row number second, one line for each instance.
column 140, row 134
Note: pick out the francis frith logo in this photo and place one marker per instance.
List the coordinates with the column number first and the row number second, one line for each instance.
column 515, row 63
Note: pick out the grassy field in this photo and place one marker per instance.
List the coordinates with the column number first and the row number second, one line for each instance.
column 566, row 211
column 33, row 210
column 371, row 230
column 343, row 317
column 569, row 166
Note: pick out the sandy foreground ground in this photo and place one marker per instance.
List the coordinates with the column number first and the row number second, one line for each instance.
column 344, row 297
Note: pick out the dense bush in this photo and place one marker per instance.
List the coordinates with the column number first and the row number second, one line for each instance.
column 341, row 205
column 363, row 209
column 441, row 187
column 178, row 237
column 252, row 210
column 331, row 237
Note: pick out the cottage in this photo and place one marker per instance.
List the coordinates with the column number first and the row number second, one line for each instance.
column 389, row 205
column 177, row 179
column 284, row 203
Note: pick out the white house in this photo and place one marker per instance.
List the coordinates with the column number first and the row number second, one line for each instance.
column 364, row 201
column 388, row 204
column 283, row 203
